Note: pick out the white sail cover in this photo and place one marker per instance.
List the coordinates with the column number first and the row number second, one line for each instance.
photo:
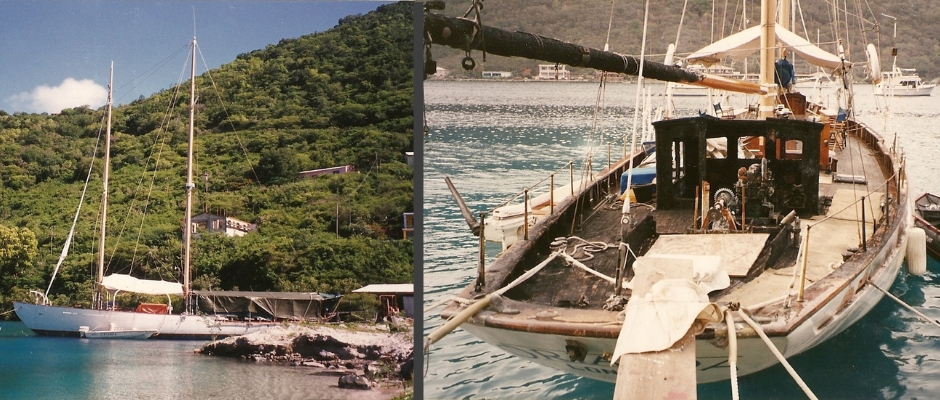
column 129, row 283
column 747, row 42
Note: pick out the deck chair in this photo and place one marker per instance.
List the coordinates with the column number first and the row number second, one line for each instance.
column 837, row 130
column 722, row 113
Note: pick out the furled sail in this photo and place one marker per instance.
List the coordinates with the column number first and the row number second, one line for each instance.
column 129, row 283
column 747, row 42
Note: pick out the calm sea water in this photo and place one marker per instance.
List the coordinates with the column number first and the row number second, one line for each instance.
column 33, row 367
column 495, row 138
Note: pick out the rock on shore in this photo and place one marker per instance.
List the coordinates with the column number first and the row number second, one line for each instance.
column 369, row 349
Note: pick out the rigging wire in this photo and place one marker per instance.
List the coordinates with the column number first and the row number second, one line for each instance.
column 161, row 140
column 68, row 239
column 228, row 118
column 636, row 115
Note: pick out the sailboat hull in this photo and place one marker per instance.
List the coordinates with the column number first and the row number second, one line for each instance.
column 548, row 342
column 67, row 321
column 581, row 339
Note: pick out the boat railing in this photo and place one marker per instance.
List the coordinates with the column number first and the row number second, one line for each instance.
column 530, row 188
column 551, row 179
column 804, row 246
column 40, row 296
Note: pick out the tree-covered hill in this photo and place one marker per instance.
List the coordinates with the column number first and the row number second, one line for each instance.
column 585, row 22
column 340, row 97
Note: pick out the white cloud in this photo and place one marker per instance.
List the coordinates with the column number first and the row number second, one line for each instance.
column 70, row 93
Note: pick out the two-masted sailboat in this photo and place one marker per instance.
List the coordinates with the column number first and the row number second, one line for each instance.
column 791, row 232
column 148, row 320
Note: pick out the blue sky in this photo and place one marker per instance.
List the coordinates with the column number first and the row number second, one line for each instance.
column 56, row 54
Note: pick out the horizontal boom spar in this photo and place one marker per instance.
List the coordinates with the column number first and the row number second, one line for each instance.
column 463, row 34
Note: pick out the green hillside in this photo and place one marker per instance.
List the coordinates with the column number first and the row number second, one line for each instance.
column 585, row 22
column 344, row 96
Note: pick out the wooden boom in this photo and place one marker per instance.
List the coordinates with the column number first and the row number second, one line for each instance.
column 464, row 34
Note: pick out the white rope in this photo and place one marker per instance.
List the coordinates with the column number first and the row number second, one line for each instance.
column 578, row 264
column 445, row 301
column 780, row 357
column 588, row 248
column 480, row 304
column 732, row 353
column 901, row 302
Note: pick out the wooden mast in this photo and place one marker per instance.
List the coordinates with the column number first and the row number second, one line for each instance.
column 188, row 220
column 99, row 303
column 768, row 39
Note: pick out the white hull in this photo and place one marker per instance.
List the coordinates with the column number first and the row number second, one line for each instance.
column 121, row 334
column 683, row 90
column 904, row 91
column 848, row 306
column 506, row 226
column 903, row 82
column 68, row 321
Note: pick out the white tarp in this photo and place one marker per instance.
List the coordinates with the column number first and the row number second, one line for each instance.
column 658, row 320
column 129, row 283
column 747, row 42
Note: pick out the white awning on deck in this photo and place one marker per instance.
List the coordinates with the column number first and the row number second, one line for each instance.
column 747, row 42
column 127, row 283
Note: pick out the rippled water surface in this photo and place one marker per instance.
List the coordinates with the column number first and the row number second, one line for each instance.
column 495, row 138
column 33, row 367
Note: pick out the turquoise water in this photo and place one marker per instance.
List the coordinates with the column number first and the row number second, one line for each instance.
column 495, row 138
column 34, row 367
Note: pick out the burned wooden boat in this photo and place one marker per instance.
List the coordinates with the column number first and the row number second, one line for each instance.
column 798, row 226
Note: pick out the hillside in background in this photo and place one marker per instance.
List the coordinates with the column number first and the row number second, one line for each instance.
column 585, row 22
column 340, row 97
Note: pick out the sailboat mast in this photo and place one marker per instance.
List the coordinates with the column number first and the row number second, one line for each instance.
column 187, row 229
column 104, row 194
column 768, row 40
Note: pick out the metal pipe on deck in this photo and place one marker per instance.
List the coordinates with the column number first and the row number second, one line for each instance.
column 551, row 196
column 805, row 251
column 466, row 35
column 864, row 245
column 525, row 213
column 481, row 271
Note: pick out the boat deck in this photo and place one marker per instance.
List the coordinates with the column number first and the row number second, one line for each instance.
column 834, row 235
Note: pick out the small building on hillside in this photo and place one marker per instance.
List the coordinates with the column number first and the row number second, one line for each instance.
column 441, row 73
column 394, row 299
column 408, row 230
column 328, row 171
column 497, row 74
column 211, row 223
column 553, row 72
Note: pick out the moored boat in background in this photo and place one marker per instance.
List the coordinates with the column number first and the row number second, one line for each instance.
column 903, row 82
column 928, row 219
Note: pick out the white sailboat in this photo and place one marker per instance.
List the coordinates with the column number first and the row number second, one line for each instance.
column 156, row 320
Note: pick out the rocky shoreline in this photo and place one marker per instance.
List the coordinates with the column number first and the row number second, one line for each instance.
column 362, row 354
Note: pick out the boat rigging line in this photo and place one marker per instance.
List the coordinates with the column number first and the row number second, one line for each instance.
column 773, row 349
column 482, row 303
column 905, row 305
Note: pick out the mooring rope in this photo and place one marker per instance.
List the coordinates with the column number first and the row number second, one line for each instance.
column 732, row 353
column 480, row 304
column 901, row 302
column 780, row 357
